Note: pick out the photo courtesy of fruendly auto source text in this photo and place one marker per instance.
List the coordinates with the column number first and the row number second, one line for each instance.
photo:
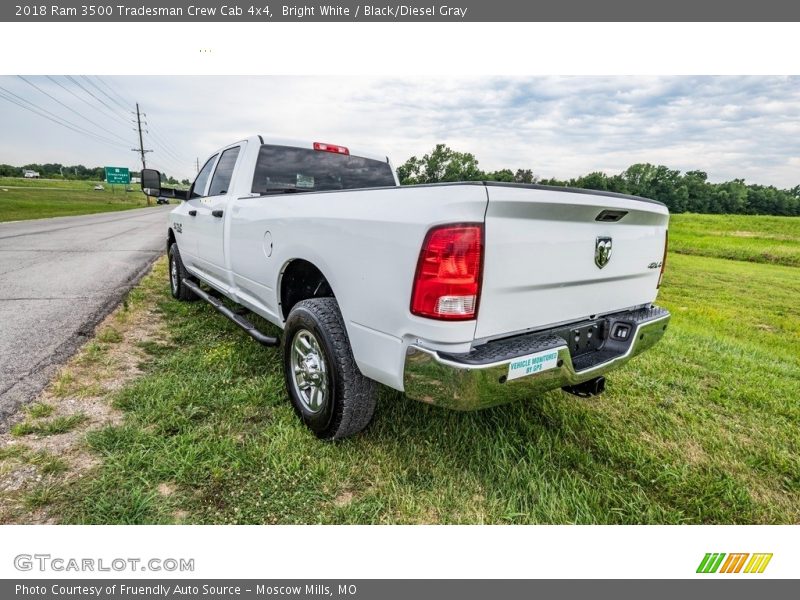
column 373, row 301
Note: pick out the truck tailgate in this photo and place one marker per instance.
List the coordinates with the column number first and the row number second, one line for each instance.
column 539, row 265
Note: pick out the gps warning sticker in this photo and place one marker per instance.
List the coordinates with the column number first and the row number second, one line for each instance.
column 532, row 363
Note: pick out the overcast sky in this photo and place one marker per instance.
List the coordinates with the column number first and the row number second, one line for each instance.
column 559, row 127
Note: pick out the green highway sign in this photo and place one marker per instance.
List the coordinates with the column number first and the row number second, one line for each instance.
column 118, row 175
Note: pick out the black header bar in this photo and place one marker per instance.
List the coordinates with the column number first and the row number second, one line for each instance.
column 429, row 11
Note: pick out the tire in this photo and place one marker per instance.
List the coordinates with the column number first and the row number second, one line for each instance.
column 347, row 400
column 177, row 273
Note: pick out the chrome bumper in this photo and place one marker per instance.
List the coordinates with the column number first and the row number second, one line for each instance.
column 479, row 379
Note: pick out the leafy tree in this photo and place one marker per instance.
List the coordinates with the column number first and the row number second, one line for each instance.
column 594, row 181
column 442, row 164
column 506, row 175
column 554, row 182
column 687, row 192
column 9, row 171
column 524, row 176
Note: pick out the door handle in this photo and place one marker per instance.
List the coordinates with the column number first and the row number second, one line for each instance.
column 192, row 213
column 216, row 213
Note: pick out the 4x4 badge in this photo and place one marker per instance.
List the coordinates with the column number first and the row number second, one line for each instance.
column 602, row 251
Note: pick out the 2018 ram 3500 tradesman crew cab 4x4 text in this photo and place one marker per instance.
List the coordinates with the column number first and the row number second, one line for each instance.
column 464, row 295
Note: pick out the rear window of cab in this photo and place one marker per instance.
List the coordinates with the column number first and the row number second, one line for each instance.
column 282, row 169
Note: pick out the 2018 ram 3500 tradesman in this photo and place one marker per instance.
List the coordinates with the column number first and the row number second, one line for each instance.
column 464, row 295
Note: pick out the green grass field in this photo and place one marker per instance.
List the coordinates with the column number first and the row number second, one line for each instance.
column 739, row 237
column 22, row 199
column 704, row 428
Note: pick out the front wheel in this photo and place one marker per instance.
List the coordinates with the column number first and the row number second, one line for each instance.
column 177, row 273
column 328, row 391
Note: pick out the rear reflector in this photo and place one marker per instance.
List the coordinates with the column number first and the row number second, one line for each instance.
column 448, row 278
column 663, row 260
column 330, row 148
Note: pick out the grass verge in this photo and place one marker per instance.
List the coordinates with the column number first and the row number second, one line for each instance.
column 22, row 199
column 45, row 452
column 774, row 240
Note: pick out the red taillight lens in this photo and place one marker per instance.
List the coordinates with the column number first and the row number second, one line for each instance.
column 448, row 280
column 330, row 148
column 663, row 260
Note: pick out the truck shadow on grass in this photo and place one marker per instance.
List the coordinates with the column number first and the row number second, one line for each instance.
column 209, row 436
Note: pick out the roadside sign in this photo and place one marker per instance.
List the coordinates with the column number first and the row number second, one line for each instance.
column 118, row 175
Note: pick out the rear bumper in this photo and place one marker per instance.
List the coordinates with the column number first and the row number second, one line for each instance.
column 479, row 379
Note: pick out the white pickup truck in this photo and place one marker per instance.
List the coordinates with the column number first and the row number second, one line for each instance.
column 464, row 295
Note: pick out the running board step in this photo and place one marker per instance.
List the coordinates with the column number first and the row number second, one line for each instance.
column 239, row 319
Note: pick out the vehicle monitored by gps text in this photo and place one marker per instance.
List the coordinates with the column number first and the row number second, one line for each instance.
column 464, row 295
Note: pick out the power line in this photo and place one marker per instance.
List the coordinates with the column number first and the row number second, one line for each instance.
column 170, row 158
column 165, row 165
column 25, row 103
column 69, row 108
column 142, row 126
column 84, row 100
column 138, row 121
column 172, row 155
column 113, row 91
column 7, row 96
column 100, row 100
column 157, row 139
column 167, row 160
column 123, row 107
column 167, row 146
column 166, row 150
column 165, row 169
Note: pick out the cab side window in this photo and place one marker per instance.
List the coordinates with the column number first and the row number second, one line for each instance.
column 199, row 185
column 222, row 176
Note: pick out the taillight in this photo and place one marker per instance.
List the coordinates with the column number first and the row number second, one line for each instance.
column 447, row 284
column 663, row 260
column 330, row 148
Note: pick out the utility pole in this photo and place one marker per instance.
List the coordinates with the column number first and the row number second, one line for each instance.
column 141, row 149
column 197, row 163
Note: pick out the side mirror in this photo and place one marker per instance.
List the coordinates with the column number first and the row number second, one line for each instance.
column 151, row 182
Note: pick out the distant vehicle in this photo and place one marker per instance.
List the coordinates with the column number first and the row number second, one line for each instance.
column 162, row 200
column 460, row 294
column 99, row 188
column 28, row 174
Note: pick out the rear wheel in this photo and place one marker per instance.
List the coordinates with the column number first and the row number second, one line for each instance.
column 177, row 273
column 328, row 391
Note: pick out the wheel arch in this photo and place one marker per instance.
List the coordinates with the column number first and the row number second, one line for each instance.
column 301, row 279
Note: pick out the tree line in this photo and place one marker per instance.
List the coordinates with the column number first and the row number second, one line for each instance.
column 681, row 192
column 71, row 172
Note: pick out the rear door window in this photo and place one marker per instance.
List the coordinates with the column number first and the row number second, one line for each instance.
column 221, row 181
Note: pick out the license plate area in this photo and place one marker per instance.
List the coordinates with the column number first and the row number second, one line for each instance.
column 584, row 337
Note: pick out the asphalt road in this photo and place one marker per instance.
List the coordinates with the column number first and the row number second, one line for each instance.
column 58, row 278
